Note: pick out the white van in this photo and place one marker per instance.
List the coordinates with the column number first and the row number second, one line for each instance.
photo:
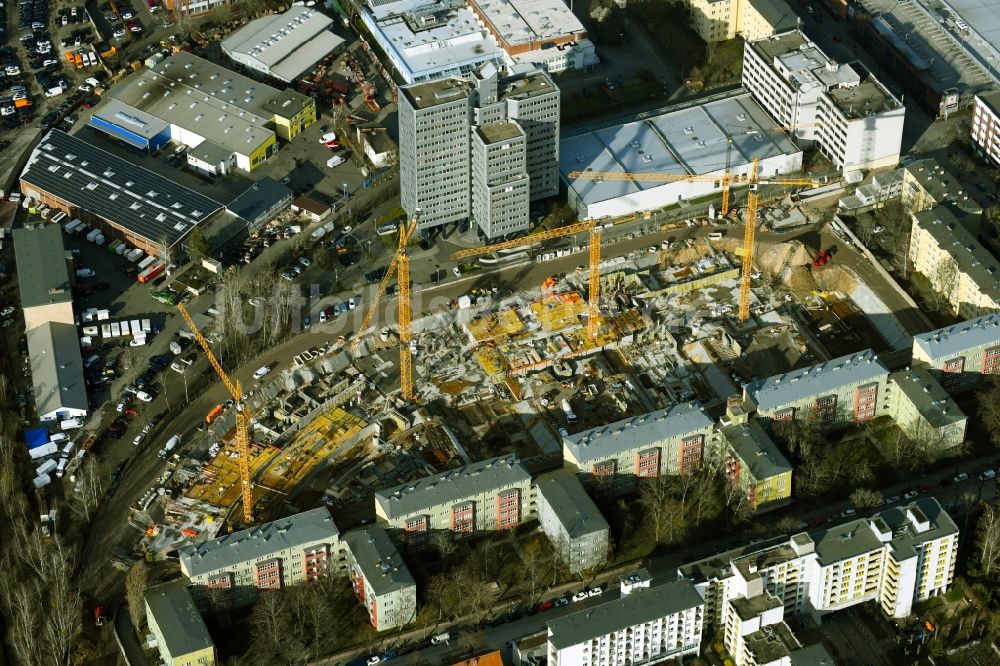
column 91, row 360
column 441, row 638
column 715, row 235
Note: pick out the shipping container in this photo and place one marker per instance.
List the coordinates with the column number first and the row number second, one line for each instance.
column 114, row 245
column 44, row 451
column 46, row 467
column 150, row 273
column 92, row 235
column 106, row 330
column 147, row 326
column 214, row 414
column 72, row 226
column 116, row 329
column 144, row 264
column 122, row 249
column 134, row 255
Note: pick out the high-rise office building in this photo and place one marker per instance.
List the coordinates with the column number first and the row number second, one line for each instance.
column 466, row 145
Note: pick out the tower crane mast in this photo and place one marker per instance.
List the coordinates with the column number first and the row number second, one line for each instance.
column 244, row 417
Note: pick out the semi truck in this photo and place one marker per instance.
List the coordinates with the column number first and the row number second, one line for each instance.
column 568, row 411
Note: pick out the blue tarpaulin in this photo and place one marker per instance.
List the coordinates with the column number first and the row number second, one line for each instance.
column 35, row 437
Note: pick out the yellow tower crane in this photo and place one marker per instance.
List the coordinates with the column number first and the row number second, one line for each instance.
column 753, row 202
column 399, row 267
column 594, row 274
column 243, row 416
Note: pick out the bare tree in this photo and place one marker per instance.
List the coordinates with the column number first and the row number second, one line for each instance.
column 654, row 497
column 945, row 281
column 471, row 641
column 63, row 617
column 988, row 400
column 865, row 498
column 135, row 594
column 132, row 360
column 988, row 539
column 89, row 488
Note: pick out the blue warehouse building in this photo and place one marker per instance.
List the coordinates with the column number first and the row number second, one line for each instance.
column 131, row 126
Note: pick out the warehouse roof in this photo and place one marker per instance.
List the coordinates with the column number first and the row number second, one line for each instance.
column 56, row 368
column 638, row 607
column 177, row 617
column 690, row 141
column 757, row 450
column 285, row 44
column 116, row 112
column 518, row 22
column 815, row 381
column 572, row 505
column 637, row 432
column 452, row 486
column 259, row 198
column 144, row 203
column 379, row 560
column 248, row 545
column 431, row 38
column 944, row 343
column 42, row 272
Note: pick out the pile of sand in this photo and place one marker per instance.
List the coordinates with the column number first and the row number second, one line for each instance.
column 835, row 278
column 778, row 258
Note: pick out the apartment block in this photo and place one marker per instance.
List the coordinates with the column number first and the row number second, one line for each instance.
column 230, row 570
column 852, row 118
column 896, row 558
column 486, row 496
column 845, row 390
column 500, row 185
column 719, row 20
column 754, row 462
column 927, row 184
column 985, row 127
column 380, row 578
column 645, row 626
column 453, row 172
column 923, row 410
column 955, row 264
column 959, row 356
column 611, row 459
column 434, row 128
column 571, row 520
column 182, row 639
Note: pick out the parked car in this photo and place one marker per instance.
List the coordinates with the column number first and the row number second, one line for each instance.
column 595, row 592
column 261, row 371
column 579, row 596
column 144, row 396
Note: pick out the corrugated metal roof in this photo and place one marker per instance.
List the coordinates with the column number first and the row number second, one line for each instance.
column 637, row 432
column 136, row 199
column 56, row 368
column 42, row 273
column 264, row 540
column 950, row 341
column 638, row 607
column 816, row 380
column 452, row 486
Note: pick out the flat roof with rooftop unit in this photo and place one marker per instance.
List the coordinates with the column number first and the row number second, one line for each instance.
column 499, row 132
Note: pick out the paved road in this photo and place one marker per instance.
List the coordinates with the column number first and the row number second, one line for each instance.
column 664, row 569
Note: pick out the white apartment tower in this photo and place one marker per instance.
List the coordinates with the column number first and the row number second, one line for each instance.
column 453, row 171
column 849, row 115
column 896, row 558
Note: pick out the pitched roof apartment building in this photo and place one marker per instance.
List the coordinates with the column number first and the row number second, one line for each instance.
column 181, row 635
column 494, row 494
column 230, row 570
column 571, row 520
column 612, row 458
column 845, row 390
column 954, row 262
column 380, row 578
column 754, row 462
column 959, row 356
